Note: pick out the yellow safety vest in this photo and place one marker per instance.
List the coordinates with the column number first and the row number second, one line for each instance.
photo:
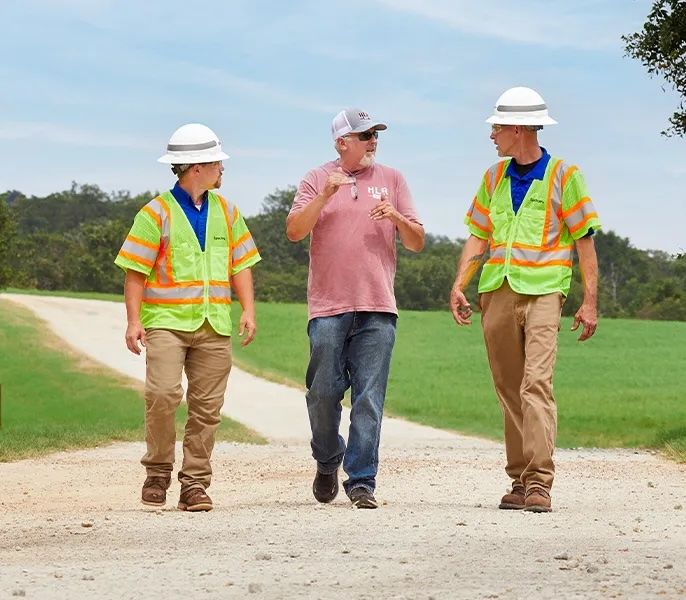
column 534, row 247
column 185, row 285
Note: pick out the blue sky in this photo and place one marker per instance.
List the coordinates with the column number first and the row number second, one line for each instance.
column 92, row 90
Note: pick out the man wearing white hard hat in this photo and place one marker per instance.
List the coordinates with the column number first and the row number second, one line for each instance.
column 353, row 208
column 531, row 212
column 187, row 250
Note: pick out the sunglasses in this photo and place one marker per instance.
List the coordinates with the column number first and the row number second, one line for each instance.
column 365, row 136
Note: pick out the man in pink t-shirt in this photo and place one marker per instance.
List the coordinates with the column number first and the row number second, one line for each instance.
column 352, row 208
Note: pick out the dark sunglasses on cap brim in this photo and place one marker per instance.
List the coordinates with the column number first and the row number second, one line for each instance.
column 365, row 136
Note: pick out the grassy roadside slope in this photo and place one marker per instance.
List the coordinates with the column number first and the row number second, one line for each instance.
column 625, row 387
column 55, row 401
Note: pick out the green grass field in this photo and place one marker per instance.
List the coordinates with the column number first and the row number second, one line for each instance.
column 624, row 387
column 55, row 401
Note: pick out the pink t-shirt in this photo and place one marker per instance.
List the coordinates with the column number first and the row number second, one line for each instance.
column 352, row 257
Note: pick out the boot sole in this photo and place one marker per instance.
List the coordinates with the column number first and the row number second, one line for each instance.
column 538, row 509
column 509, row 506
column 158, row 504
column 325, row 499
column 195, row 507
column 363, row 505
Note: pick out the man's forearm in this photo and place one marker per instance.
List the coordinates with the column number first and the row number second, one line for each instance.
column 470, row 260
column 299, row 224
column 588, row 264
column 411, row 234
column 134, row 284
column 242, row 283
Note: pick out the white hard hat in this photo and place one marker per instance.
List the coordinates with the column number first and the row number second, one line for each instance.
column 191, row 144
column 521, row 106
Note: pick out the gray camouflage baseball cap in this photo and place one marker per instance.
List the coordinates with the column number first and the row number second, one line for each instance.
column 354, row 120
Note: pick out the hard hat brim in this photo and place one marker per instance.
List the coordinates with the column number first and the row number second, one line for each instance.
column 191, row 158
column 513, row 119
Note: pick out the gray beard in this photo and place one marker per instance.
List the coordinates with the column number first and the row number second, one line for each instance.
column 367, row 161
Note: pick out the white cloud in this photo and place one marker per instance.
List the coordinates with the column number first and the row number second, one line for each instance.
column 44, row 132
column 582, row 25
column 221, row 79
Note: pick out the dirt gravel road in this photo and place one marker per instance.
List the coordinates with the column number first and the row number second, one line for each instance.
column 71, row 525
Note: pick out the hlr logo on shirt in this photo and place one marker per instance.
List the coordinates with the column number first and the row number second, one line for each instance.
column 375, row 192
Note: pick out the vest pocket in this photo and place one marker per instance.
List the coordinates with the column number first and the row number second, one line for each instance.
column 185, row 263
column 501, row 227
column 532, row 220
column 219, row 263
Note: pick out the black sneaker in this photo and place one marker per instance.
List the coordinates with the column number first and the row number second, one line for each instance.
column 363, row 498
column 325, row 486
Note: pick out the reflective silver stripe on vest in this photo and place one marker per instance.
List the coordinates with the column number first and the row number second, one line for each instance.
column 139, row 250
column 163, row 262
column 240, row 251
column 541, row 256
column 222, row 292
column 531, row 108
column 174, row 293
column 492, row 183
column 191, row 147
column 479, row 218
column 555, row 208
column 580, row 214
column 497, row 253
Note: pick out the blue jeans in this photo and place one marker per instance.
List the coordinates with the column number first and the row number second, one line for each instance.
column 350, row 350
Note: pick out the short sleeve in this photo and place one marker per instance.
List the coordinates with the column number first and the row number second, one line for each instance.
column 244, row 252
column 578, row 211
column 141, row 246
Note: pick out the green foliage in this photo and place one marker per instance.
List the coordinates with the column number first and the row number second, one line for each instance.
column 661, row 48
column 282, row 274
column 7, row 237
column 423, row 280
column 68, row 240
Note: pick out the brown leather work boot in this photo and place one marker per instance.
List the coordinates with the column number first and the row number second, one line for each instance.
column 154, row 491
column 194, row 500
column 537, row 500
column 514, row 500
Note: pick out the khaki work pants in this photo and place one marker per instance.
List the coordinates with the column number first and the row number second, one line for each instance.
column 206, row 358
column 521, row 340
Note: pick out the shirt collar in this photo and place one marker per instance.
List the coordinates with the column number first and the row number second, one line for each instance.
column 538, row 172
column 183, row 197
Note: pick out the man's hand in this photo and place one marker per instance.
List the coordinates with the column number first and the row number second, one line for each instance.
column 247, row 326
column 588, row 316
column 334, row 181
column 384, row 210
column 134, row 333
column 460, row 307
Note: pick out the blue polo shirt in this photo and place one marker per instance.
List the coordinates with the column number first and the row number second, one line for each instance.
column 196, row 217
column 520, row 184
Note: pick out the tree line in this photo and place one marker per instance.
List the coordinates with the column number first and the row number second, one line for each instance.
column 68, row 240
